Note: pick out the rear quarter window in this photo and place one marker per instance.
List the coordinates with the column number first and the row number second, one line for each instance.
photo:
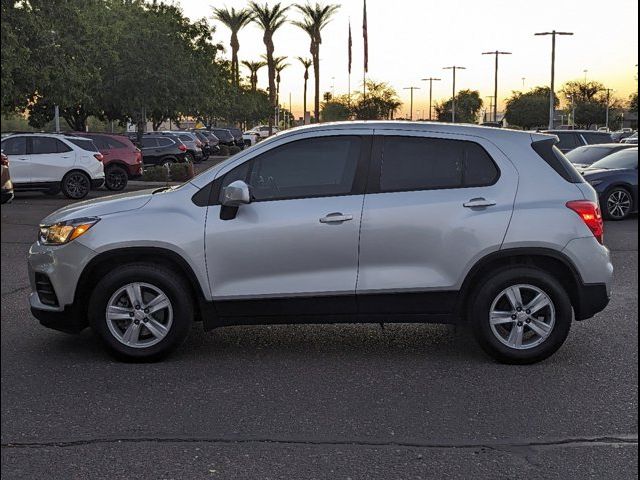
column 551, row 154
column 85, row 144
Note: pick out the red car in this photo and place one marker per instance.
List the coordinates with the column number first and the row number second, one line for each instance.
column 122, row 159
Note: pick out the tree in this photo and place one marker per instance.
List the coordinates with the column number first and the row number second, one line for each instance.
column 336, row 109
column 529, row 110
column 315, row 18
column 589, row 101
column 306, row 64
column 234, row 21
column 280, row 63
column 270, row 19
column 468, row 105
column 633, row 102
column 381, row 102
column 253, row 72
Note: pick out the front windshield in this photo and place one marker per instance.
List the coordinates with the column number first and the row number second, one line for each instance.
column 622, row 159
column 587, row 155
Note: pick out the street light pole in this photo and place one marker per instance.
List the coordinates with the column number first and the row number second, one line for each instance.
column 412, row 89
column 497, row 53
column 552, row 96
column 453, row 98
column 491, row 98
column 431, row 80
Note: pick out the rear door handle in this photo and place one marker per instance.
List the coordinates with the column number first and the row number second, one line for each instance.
column 479, row 203
column 336, row 217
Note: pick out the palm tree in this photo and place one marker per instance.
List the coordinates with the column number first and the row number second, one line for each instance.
column 306, row 63
column 270, row 19
column 315, row 18
column 253, row 69
column 234, row 21
column 280, row 65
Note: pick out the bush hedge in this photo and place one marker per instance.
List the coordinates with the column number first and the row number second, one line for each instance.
column 224, row 151
column 180, row 172
column 155, row 174
column 235, row 149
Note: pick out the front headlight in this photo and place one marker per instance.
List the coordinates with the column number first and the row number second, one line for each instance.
column 595, row 183
column 63, row 232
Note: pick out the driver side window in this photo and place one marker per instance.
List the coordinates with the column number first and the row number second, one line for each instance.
column 316, row 167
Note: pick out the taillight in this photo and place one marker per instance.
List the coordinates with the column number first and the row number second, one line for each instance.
column 182, row 148
column 591, row 216
column 98, row 156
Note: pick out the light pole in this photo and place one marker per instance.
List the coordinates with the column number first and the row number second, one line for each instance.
column 573, row 111
column 431, row 80
column 523, row 80
column 412, row 89
column 552, row 96
column 497, row 53
column 585, row 75
column 491, row 97
column 454, row 68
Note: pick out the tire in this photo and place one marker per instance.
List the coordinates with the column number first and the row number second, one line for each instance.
column 496, row 340
column 617, row 204
column 190, row 157
column 116, row 178
column 76, row 185
column 171, row 323
column 166, row 162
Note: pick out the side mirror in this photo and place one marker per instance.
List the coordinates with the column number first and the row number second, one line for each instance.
column 235, row 194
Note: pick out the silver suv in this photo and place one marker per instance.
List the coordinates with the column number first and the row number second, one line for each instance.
column 349, row 222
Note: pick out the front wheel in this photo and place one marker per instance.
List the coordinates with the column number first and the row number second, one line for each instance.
column 618, row 204
column 141, row 311
column 521, row 315
column 76, row 185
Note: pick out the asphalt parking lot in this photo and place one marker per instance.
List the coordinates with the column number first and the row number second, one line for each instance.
column 294, row 402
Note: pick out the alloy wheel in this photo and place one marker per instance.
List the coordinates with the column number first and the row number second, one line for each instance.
column 77, row 185
column 116, row 179
column 139, row 315
column 522, row 316
column 619, row 204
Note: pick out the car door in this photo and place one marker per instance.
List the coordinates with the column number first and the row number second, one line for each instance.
column 149, row 148
column 15, row 147
column 294, row 248
column 435, row 205
column 50, row 158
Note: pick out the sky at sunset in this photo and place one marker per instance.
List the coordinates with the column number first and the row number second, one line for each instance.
column 413, row 39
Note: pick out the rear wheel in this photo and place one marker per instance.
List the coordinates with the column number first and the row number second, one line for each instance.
column 618, row 204
column 521, row 315
column 141, row 311
column 76, row 185
column 116, row 178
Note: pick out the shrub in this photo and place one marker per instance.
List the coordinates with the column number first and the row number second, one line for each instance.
column 181, row 172
column 224, row 151
column 155, row 174
column 235, row 149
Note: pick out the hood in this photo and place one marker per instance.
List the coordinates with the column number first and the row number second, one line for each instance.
column 600, row 172
column 101, row 206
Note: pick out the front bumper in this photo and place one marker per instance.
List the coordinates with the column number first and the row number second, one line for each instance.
column 68, row 320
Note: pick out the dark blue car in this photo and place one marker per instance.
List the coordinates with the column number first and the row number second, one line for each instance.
column 615, row 178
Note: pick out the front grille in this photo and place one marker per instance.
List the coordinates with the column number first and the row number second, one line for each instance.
column 45, row 290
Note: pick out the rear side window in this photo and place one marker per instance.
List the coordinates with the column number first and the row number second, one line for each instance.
column 113, row 143
column 44, row 145
column 550, row 153
column 414, row 163
column 100, row 142
column 596, row 137
column 185, row 138
column 85, row 144
column 165, row 142
column 15, row 146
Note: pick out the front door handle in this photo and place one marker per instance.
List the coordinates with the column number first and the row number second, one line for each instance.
column 479, row 203
column 336, row 217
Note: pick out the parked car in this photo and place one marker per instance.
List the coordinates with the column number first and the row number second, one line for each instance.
column 237, row 136
column 214, row 142
column 162, row 150
column 49, row 162
column 615, row 178
column 620, row 135
column 5, row 179
column 571, row 139
column 632, row 139
column 583, row 157
column 205, row 144
column 122, row 160
column 312, row 225
column 250, row 138
column 225, row 136
column 263, row 130
column 193, row 144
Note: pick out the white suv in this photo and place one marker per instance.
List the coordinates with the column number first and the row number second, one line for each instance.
column 349, row 222
column 54, row 162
